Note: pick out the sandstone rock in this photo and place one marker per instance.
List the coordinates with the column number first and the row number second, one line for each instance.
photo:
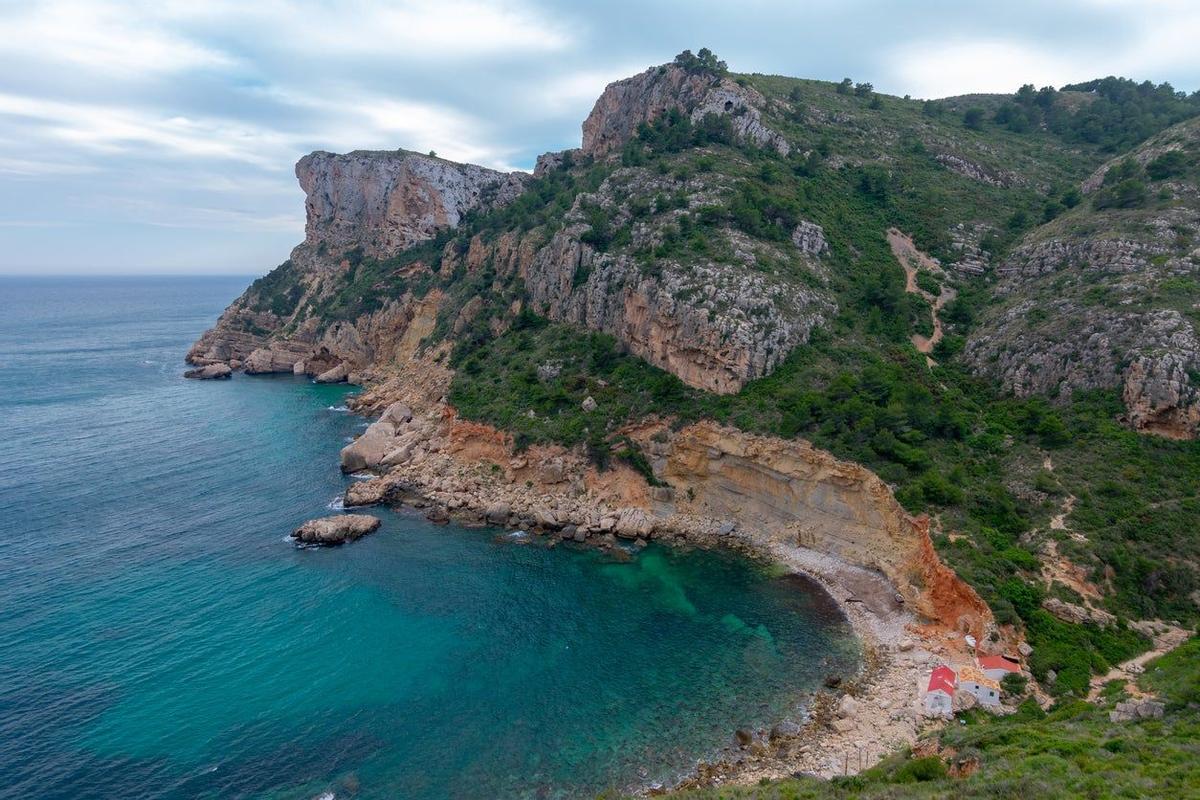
column 848, row 706
column 633, row 523
column 784, row 730
column 544, row 518
column 210, row 373
column 369, row 450
column 904, row 645
column 338, row 529
column 589, row 404
column 1025, row 649
column 497, row 513
column 335, row 374
column 397, row 414
column 964, row 701
column 842, row 725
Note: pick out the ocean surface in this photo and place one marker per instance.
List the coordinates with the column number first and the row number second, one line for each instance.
column 161, row 638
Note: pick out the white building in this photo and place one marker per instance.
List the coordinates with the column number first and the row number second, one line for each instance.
column 973, row 681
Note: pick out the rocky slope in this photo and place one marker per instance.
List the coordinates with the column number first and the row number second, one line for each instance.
column 1107, row 295
column 628, row 103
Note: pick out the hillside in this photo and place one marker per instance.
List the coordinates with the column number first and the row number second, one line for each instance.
column 968, row 307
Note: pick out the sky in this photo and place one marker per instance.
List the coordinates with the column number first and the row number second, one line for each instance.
column 160, row 137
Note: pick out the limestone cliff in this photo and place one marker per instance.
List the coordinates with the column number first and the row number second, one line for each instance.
column 627, row 103
column 384, row 202
column 374, row 203
column 1103, row 297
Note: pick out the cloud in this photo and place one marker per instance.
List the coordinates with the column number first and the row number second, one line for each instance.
column 1156, row 38
column 100, row 37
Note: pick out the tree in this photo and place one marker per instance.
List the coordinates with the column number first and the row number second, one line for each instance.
column 1013, row 685
column 704, row 61
column 973, row 118
column 863, row 89
column 1167, row 165
column 845, row 86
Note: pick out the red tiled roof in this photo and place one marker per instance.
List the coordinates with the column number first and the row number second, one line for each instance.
column 943, row 678
column 999, row 662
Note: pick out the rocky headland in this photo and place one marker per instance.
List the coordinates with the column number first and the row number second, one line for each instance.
column 392, row 277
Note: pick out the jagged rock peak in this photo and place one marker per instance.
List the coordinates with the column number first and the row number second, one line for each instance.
column 385, row 201
column 627, row 103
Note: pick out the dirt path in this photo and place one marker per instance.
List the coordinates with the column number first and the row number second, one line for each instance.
column 913, row 261
column 1166, row 638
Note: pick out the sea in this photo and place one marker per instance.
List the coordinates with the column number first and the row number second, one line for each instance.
column 161, row 636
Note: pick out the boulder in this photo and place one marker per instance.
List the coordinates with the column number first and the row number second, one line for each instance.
column 369, row 450
column 544, row 518
column 212, row 372
column 1025, row 649
column 338, row 529
column 1133, row 710
column 397, row 414
column 633, row 523
column 848, row 706
column 497, row 513
column 335, row 374
column 589, row 404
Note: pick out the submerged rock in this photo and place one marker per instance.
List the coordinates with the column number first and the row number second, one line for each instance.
column 338, row 529
column 212, row 372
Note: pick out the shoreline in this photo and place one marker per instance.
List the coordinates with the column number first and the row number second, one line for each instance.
column 864, row 718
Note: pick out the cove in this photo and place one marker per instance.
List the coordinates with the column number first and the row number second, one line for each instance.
column 161, row 638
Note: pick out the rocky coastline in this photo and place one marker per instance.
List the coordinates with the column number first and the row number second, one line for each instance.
column 419, row 455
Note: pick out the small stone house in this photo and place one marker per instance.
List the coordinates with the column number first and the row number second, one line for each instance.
column 939, row 695
column 996, row 667
column 972, row 681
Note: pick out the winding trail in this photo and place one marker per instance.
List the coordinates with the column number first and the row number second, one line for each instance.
column 913, row 261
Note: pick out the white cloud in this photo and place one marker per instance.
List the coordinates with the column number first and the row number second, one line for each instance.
column 412, row 29
column 1152, row 43
column 942, row 69
column 111, row 130
column 101, row 38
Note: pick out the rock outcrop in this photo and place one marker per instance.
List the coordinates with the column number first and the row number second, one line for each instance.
column 210, row 372
column 385, row 201
column 626, row 104
column 1104, row 298
column 338, row 529
column 713, row 325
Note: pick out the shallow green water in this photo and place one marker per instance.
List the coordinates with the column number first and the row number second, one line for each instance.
column 161, row 638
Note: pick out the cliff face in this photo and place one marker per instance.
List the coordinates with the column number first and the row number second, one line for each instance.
column 714, row 325
column 627, row 103
column 378, row 202
column 384, row 202
column 1103, row 297
column 797, row 495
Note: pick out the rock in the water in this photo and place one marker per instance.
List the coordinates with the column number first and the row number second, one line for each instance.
column 335, row 374
column 212, row 372
column 338, row 529
column 369, row 450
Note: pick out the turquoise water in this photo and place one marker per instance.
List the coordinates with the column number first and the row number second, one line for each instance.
column 159, row 637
